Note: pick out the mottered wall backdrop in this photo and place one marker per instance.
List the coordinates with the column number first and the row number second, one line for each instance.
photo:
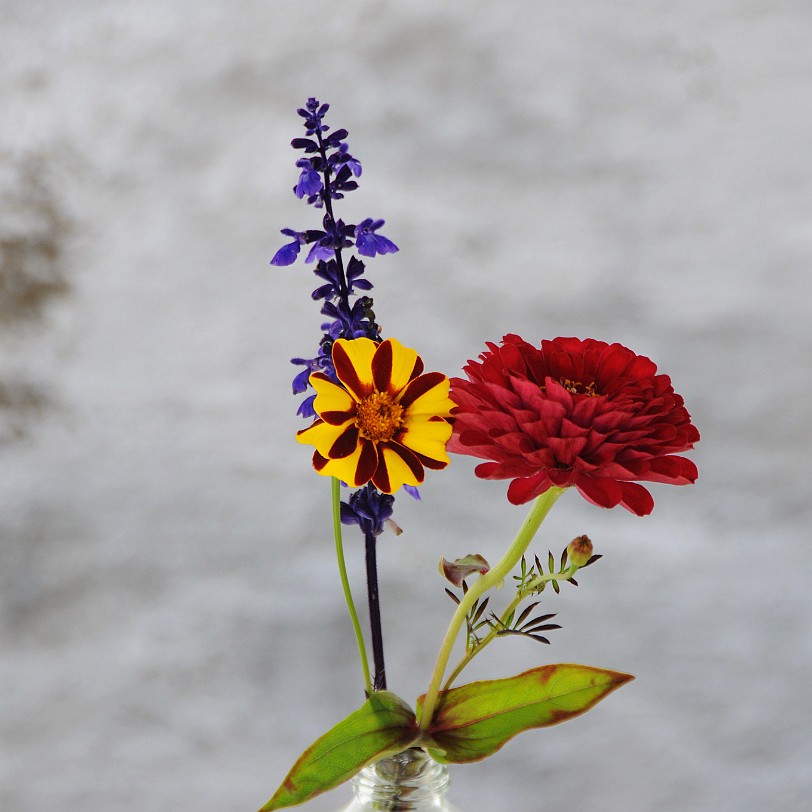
column 171, row 624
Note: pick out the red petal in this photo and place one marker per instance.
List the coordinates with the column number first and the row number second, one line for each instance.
column 613, row 363
column 485, row 470
column 672, row 470
column 636, row 499
column 605, row 493
column 560, row 477
column 521, row 491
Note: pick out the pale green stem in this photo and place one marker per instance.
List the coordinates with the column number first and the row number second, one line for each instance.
column 509, row 609
column 345, row 583
column 494, row 577
column 565, row 575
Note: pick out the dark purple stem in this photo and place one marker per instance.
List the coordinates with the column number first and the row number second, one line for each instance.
column 379, row 683
column 328, row 208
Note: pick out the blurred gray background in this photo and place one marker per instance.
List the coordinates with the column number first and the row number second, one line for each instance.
column 172, row 632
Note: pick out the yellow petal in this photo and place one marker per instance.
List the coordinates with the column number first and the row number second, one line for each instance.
column 427, row 437
column 320, row 435
column 344, row 469
column 403, row 361
column 399, row 473
column 352, row 359
column 433, row 402
column 330, row 397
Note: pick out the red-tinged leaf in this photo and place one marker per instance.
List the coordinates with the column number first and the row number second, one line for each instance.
column 528, row 609
column 539, row 626
column 457, row 571
column 475, row 720
column 480, row 610
column 382, row 726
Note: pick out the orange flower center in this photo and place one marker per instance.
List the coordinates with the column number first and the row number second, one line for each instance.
column 577, row 388
column 378, row 417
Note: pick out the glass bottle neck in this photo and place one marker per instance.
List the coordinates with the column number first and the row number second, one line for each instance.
column 406, row 782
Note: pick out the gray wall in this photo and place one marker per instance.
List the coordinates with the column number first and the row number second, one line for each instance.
column 172, row 630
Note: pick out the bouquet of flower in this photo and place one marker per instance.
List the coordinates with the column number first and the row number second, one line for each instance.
column 568, row 413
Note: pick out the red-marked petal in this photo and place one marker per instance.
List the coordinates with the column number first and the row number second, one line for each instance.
column 320, row 435
column 337, row 418
column 402, row 365
column 382, row 367
column 345, row 444
column 421, row 386
column 367, row 463
column 426, row 436
column 397, row 466
column 353, row 365
column 380, row 476
column 330, row 396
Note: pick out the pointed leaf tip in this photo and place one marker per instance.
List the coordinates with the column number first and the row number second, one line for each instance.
column 475, row 720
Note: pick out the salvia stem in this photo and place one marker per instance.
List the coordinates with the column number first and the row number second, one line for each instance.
column 328, row 208
column 345, row 583
column 541, row 507
column 379, row 682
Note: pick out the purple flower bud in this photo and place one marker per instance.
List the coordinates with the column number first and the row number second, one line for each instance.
column 369, row 509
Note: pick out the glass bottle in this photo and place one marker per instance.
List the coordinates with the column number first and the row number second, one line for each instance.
column 410, row 781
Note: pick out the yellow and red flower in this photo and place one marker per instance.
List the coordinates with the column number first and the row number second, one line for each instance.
column 385, row 420
column 585, row 414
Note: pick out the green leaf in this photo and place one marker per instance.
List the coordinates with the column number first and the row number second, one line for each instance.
column 383, row 725
column 475, row 720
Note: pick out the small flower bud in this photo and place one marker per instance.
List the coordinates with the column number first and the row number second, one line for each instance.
column 579, row 551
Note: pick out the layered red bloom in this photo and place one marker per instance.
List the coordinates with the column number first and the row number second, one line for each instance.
column 585, row 414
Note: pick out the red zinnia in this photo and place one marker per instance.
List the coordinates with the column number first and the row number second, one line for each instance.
column 573, row 413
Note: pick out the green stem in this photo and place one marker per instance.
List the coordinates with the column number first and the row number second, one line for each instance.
column 345, row 583
column 494, row 577
column 484, row 642
column 509, row 609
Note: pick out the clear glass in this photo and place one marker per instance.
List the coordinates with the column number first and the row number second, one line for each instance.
column 411, row 781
